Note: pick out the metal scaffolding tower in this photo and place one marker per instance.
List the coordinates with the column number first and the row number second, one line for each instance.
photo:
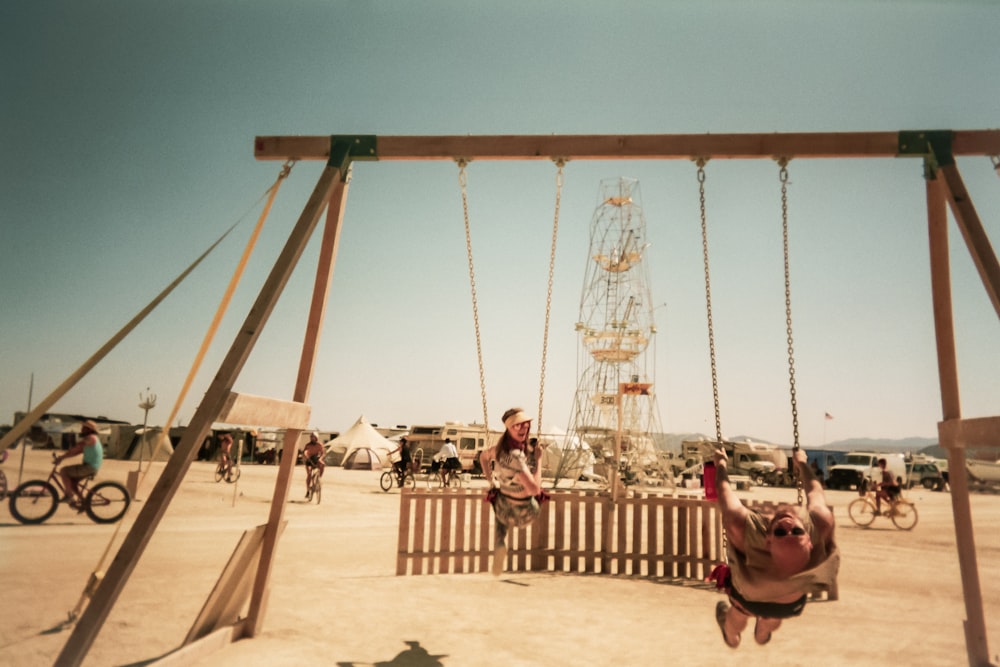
column 615, row 407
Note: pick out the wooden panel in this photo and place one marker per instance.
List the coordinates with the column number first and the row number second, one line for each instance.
column 200, row 649
column 232, row 590
column 978, row 432
column 485, row 535
column 403, row 541
column 460, row 528
column 260, row 411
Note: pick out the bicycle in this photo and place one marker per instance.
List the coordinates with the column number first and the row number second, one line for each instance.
column 227, row 471
column 902, row 512
column 315, row 485
column 393, row 477
column 36, row 500
column 452, row 478
column 3, row 476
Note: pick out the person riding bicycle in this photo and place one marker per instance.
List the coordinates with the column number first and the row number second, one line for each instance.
column 90, row 446
column 312, row 454
column 888, row 488
column 225, row 445
column 446, row 460
column 405, row 459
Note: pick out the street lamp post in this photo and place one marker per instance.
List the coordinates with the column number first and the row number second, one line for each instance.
column 147, row 404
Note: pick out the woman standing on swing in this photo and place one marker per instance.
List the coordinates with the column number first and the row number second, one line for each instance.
column 513, row 469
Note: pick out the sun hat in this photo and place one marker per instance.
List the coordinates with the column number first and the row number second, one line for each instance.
column 518, row 417
column 89, row 423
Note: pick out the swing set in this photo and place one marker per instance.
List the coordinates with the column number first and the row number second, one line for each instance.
column 944, row 189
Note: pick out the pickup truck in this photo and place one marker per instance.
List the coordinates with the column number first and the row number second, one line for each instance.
column 860, row 469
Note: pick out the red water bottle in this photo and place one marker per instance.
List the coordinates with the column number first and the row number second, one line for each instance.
column 708, row 480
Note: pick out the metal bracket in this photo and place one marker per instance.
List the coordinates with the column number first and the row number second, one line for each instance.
column 933, row 145
column 345, row 148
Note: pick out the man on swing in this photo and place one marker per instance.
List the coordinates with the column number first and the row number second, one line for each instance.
column 773, row 564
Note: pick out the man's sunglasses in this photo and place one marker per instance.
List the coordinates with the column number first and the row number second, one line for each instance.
column 782, row 532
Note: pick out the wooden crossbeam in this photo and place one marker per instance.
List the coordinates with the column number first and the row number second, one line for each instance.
column 630, row 146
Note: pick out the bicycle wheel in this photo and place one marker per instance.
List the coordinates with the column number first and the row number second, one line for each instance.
column 862, row 512
column 233, row 475
column 220, row 472
column 455, row 480
column 34, row 502
column 386, row 481
column 904, row 515
column 317, row 488
column 3, row 485
column 107, row 502
column 410, row 481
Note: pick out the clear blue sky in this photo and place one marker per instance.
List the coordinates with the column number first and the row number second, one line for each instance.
column 126, row 148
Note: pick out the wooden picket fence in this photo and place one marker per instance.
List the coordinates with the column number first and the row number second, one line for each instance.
column 451, row 531
column 644, row 535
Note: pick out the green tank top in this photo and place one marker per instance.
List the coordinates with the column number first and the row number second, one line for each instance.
column 94, row 456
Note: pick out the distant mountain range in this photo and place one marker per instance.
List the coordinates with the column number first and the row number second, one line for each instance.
column 672, row 442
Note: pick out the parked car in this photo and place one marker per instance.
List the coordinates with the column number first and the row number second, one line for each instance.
column 926, row 475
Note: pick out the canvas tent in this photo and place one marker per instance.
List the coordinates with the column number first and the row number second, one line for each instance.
column 360, row 447
column 132, row 443
column 363, row 458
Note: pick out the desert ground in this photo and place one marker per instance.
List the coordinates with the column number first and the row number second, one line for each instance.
column 335, row 598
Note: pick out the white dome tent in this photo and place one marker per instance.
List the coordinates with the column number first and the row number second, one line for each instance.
column 363, row 447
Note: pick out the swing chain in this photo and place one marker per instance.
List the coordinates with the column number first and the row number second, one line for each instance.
column 700, row 162
column 463, row 182
column 560, row 163
column 783, row 177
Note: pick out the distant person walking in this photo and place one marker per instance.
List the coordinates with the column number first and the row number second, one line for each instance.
column 513, row 469
column 90, row 446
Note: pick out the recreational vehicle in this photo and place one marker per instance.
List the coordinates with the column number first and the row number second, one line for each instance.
column 756, row 460
column 425, row 441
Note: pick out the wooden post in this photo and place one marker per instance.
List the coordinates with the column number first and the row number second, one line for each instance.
column 307, row 363
column 937, row 223
column 615, row 481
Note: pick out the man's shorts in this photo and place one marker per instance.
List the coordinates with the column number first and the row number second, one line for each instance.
column 79, row 471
